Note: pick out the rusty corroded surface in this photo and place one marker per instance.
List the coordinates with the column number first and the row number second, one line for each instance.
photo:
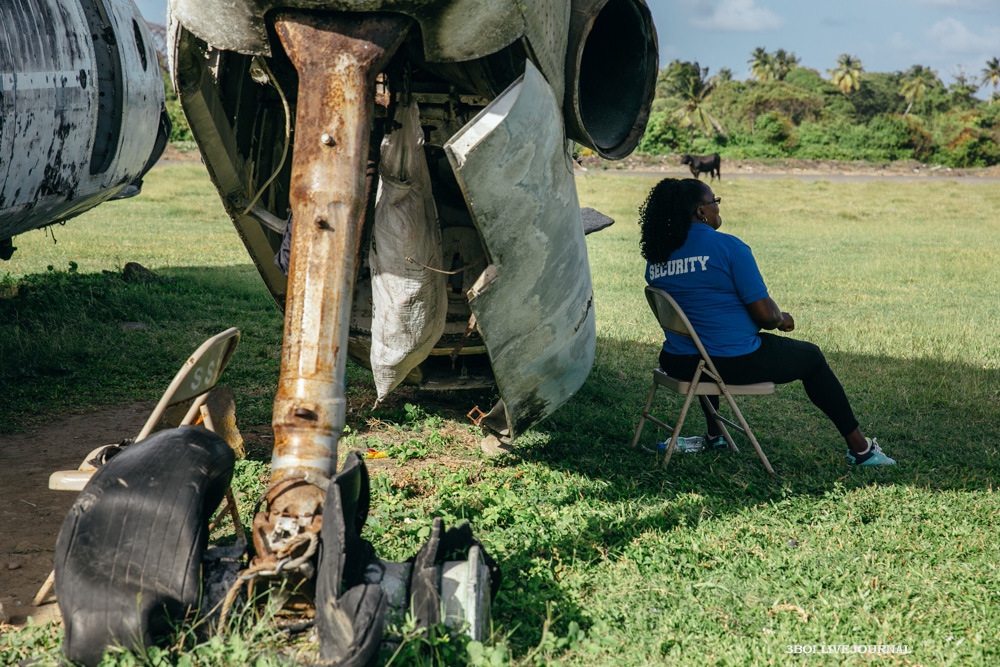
column 337, row 59
column 80, row 103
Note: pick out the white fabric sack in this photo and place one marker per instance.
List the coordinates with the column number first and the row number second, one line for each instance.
column 409, row 301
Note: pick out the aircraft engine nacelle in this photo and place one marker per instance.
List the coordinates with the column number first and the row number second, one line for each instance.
column 611, row 68
column 81, row 109
column 290, row 100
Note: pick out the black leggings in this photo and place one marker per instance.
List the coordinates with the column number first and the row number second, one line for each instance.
column 779, row 360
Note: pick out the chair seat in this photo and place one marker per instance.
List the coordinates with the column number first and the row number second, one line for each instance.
column 70, row 480
column 711, row 388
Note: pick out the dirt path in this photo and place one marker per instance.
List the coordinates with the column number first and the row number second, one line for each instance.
column 31, row 514
column 806, row 170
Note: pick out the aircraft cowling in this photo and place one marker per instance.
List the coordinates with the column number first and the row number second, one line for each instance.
column 81, row 108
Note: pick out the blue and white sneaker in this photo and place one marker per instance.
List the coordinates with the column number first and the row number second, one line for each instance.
column 873, row 457
column 717, row 443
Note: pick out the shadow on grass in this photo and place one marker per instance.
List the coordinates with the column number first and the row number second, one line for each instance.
column 71, row 341
column 63, row 344
column 937, row 419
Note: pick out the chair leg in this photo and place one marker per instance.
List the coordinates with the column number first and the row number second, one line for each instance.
column 642, row 418
column 234, row 513
column 680, row 422
column 748, row 432
column 44, row 591
column 719, row 422
column 206, row 418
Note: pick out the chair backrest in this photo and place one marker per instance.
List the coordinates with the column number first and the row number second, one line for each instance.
column 196, row 377
column 672, row 318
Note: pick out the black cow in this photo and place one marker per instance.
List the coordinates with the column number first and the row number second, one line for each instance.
column 699, row 164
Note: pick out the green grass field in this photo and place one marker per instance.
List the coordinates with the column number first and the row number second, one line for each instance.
column 608, row 560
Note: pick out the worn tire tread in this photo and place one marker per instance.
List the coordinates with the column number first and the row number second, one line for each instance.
column 128, row 556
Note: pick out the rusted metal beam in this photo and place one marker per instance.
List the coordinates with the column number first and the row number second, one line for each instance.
column 337, row 58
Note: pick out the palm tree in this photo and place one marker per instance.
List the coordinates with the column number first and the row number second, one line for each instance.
column 917, row 80
column 692, row 87
column 761, row 66
column 723, row 75
column 783, row 63
column 962, row 90
column 991, row 75
column 847, row 75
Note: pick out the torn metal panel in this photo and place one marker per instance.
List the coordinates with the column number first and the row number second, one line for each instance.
column 534, row 303
column 546, row 29
column 81, row 98
column 453, row 30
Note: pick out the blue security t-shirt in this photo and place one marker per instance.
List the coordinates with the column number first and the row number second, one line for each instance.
column 712, row 277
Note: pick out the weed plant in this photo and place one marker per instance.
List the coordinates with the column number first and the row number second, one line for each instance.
column 608, row 560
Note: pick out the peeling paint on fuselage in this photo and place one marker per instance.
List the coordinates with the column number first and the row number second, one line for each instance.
column 50, row 107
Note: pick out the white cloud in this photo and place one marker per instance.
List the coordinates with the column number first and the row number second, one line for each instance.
column 735, row 15
column 951, row 36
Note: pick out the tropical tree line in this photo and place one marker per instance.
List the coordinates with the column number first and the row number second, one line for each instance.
column 787, row 110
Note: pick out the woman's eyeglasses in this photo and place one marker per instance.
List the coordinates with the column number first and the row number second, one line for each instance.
column 714, row 200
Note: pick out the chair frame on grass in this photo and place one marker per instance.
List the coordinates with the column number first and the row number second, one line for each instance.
column 705, row 382
column 195, row 380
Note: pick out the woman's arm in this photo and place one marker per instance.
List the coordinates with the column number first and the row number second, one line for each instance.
column 766, row 314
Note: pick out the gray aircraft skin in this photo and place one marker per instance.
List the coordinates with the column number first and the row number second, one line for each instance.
column 289, row 101
column 82, row 114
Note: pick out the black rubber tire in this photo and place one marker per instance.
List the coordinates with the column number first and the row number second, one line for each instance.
column 128, row 556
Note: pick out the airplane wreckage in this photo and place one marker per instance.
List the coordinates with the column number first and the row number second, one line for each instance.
column 400, row 172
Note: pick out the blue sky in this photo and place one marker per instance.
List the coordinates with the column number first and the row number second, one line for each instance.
column 887, row 35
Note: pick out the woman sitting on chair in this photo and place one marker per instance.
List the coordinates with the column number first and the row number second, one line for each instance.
column 715, row 280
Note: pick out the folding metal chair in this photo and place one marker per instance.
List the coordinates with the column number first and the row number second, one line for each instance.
column 705, row 382
column 193, row 382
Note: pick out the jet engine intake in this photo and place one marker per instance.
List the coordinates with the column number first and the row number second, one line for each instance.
column 611, row 67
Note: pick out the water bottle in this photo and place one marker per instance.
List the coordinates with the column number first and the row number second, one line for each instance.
column 691, row 445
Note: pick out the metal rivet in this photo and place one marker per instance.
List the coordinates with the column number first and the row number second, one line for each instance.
column 326, row 139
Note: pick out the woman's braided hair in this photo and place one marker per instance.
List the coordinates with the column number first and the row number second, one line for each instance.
column 666, row 216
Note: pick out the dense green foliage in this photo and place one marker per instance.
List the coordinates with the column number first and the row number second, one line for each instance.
column 794, row 112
